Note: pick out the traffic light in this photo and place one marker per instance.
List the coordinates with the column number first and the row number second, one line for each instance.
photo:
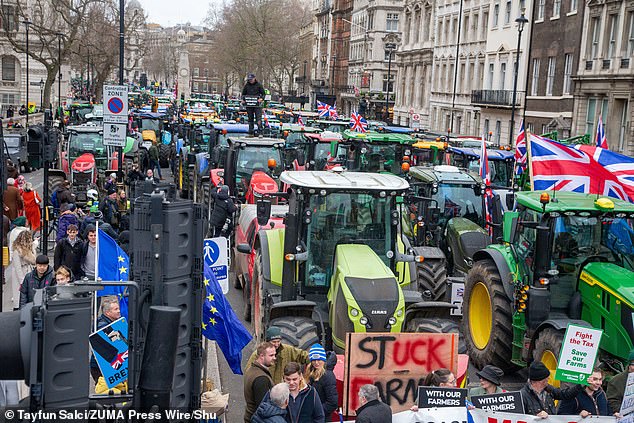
column 37, row 140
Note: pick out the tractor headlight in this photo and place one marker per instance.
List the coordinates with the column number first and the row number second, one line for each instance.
column 363, row 320
column 354, row 312
column 399, row 312
column 392, row 321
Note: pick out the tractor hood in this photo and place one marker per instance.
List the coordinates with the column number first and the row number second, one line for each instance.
column 356, row 260
column 84, row 163
column 261, row 184
column 148, row 135
column 612, row 278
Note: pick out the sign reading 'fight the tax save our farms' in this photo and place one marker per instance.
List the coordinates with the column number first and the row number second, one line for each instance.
column 578, row 352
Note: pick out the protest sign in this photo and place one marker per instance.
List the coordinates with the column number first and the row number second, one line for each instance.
column 396, row 363
column 510, row 402
column 578, row 352
column 110, row 347
column 432, row 396
column 627, row 406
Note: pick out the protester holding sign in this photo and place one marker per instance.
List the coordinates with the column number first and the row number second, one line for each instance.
column 489, row 381
column 616, row 387
column 538, row 396
column 442, row 378
column 592, row 401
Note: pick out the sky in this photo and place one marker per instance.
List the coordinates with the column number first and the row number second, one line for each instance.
column 170, row 12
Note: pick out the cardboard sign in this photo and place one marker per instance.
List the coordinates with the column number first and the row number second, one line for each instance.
column 627, row 406
column 509, row 402
column 110, row 347
column 216, row 255
column 396, row 363
column 432, row 396
column 578, row 352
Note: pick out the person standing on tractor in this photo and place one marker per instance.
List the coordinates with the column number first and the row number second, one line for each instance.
column 252, row 97
column 284, row 354
column 616, row 386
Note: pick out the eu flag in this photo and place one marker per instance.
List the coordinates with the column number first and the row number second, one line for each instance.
column 221, row 324
column 113, row 264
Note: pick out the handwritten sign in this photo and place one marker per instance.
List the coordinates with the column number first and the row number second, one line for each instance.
column 431, row 396
column 578, row 352
column 510, row 402
column 396, row 363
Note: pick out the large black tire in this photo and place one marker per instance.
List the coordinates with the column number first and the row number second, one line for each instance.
column 487, row 318
column 438, row 326
column 547, row 348
column 246, row 296
column 164, row 155
column 432, row 279
column 299, row 332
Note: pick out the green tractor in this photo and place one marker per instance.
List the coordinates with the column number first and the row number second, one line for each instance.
column 374, row 151
column 566, row 258
column 339, row 265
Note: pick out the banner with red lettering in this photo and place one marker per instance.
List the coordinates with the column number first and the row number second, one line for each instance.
column 396, row 363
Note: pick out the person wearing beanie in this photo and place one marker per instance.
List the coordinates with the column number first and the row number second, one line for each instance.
column 319, row 373
column 221, row 216
column 284, row 354
column 40, row 277
column 616, row 386
column 490, row 380
column 110, row 209
column 538, row 396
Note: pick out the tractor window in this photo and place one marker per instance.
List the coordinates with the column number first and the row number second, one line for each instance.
column 222, row 139
column 89, row 142
column 427, row 157
column 344, row 218
column 151, row 124
column 501, row 172
column 618, row 237
column 294, row 138
column 525, row 236
column 252, row 158
column 322, row 151
column 458, row 200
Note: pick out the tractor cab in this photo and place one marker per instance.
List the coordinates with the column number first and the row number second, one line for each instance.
column 330, row 125
column 219, row 140
column 501, row 163
column 572, row 257
column 373, row 151
column 315, row 152
column 428, row 153
column 300, row 145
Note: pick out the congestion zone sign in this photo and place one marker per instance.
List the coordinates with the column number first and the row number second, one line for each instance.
column 115, row 98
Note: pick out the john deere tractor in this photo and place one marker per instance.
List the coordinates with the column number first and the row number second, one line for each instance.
column 339, row 265
column 566, row 258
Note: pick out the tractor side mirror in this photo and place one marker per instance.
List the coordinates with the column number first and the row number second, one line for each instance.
column 510, row 200
column 243, row 248
column 509, row 226
column 263, row 211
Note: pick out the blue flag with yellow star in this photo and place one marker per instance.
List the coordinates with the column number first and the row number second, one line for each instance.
column 221, row 324
column 113, row 265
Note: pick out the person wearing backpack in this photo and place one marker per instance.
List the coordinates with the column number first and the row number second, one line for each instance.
column 223, row 210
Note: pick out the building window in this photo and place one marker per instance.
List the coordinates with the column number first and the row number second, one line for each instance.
column 491, row 72
column 385, row 87
column 604, row 112
column 556, row 8
column 10, row 19
column 568, row 74
column 596, row 27
column 196, row 72
column 507, row 13
column 485, row 25
column 550, row 79
column 10, row 99
column 611, row 47
column 391, row 23
column 205, row 87
column 498, row 131
column 573, row 6
column 486, row 127
column 630, row 37
column 496, row 15
column 592, row 105
column 535, row 82
column 195, row 86
column 8, row 68
column 502, row 75
column 540, row 9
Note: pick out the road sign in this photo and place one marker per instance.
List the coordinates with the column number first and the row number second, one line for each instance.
column 416, row 116
column 115, row 100
column 114, row 134
column 216, row 255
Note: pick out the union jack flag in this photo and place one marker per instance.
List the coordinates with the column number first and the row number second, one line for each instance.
column 333, row 112
column 562, row 168
column 323, row 109
column 622, row 167
column 358, row 123
column 485, row 174
column 300, row 121
column 602, row 141
column 520, row 151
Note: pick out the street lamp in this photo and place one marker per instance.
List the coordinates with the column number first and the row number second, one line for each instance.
column 521, row 21
column 304, row 79
column 41, row 94
column 59, row 77
column 390, row 47
column 26, row 23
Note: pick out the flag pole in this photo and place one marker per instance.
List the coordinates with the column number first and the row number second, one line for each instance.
column 529, row 157
column 96, row 314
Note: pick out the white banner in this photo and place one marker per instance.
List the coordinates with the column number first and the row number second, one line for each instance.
column 459, row 415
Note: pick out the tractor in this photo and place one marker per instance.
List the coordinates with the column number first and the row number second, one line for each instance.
column 151, row 126
column 566, row 258
column 428, row 153
column 314, row 151
column 339, row 264
column 374, row 151
column 501, row 163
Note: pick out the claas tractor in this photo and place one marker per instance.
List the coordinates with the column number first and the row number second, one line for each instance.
column 339, row 265
column 566, row 258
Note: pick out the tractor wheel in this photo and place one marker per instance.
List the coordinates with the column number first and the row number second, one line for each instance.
column 257, row 302
column 547, row 348
column 487, row 318
column 164, row 155
column 438, row 326
column 246, row 296
column 299, row 332
column 432, row 277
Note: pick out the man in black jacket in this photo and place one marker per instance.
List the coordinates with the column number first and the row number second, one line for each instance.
column 257, row 379
column 252, row 89
column 40, row 277
column 372, row 410
column 68, row 252
column 110, row 311
column 538, row 396
column 222, row 212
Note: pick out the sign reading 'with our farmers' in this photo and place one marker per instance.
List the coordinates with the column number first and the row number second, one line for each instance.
column 429, row 397
column 510, row 402
column 578, row 352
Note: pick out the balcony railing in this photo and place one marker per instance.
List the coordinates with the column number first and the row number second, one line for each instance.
column 496, row 97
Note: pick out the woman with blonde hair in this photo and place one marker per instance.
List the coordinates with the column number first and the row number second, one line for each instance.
column 22, row 262
column 32, row 203
column 319, row 374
